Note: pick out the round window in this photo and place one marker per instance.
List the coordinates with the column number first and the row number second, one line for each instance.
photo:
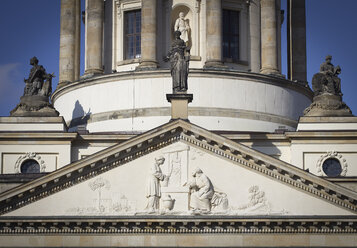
column 332, row 167
column 30, row 166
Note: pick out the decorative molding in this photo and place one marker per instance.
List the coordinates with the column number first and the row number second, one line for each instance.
column 163, row 136
column 193, row 111
column 328, row 155
column 125, row 225
column 29, row 155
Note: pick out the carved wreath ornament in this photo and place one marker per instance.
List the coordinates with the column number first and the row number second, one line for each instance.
column 29, row 155
column 334, row 155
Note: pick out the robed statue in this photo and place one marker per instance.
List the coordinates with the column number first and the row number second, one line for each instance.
column 326, row 85
column 327, row 80
column 38, row 82
column 38, row 88
column 179, row 63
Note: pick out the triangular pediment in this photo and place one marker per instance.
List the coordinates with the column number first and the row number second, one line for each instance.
column 114, row 181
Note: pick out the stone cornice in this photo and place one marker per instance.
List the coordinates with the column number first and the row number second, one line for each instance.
column 37, row 135
column 178, row 225
column 159, row 73
column 162, row 136
column 322, row 134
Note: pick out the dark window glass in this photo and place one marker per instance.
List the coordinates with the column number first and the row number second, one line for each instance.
column 332, row 167
column 230, row 35
column 132, row 35
column 30, row 166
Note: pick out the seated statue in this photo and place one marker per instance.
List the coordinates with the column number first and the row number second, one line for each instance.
column 327, row 80
column 202, row 192
column 327, row 99
column 38, row 88
column 36, row 84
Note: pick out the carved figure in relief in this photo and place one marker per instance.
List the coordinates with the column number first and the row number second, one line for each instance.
column 202, row 192
column 97, row 185
column 182, row 25
column 153, row 190
column 256, row 198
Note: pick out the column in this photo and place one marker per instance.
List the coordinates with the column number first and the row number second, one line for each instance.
column 269, row 37
column 214, row 33
column 94, row 37
column 296, row 40
column 148, row 35
column 254, row 32
column 69, row 42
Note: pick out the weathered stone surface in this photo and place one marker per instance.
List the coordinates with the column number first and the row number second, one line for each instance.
column 148, row 35
column 214, row 35
column 69, row 42
column 269, row 37
column 179, row 105
column 94, row 37
column 328, row 105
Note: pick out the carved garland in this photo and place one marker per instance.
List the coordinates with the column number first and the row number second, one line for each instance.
column 328, row 155
column 29, row 155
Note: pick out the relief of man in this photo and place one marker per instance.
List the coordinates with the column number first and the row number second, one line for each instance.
column 153, row 190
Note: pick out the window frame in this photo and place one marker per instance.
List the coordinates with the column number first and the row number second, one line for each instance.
column 134, row 35
column 231, row 35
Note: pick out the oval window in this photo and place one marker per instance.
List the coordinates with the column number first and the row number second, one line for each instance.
column 332, row 167
column 30, row 166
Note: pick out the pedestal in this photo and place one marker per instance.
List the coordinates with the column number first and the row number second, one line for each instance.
column 34, row 106
column 32, row 124
column 179, row 105
column 327, row 123
column 328, row 105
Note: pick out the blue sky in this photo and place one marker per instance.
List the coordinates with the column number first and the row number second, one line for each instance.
column 31, row 28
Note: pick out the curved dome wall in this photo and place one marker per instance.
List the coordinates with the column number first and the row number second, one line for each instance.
column 222, row 100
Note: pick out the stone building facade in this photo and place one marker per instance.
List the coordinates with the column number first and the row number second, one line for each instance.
column 118, row 168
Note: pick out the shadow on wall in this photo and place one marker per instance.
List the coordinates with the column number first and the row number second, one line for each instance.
column 79, row 118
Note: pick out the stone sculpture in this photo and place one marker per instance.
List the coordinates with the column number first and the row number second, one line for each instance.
column 182, row 25
column 202, row 192
column 38, row 88
column 327, row 99
column 179, row 64
column 153, row 190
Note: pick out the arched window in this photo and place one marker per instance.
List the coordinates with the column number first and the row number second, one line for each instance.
column 30, row 166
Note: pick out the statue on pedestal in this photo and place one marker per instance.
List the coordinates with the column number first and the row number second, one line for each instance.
column 182, row 25
column 327, row 92
column 179, row 64
column 38, row 88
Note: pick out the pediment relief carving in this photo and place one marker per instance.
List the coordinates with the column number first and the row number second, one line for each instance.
column 200, row 141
